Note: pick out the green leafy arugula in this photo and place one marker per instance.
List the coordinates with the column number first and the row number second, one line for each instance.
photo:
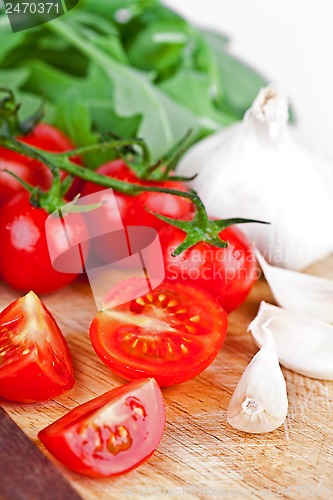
column 133, row 67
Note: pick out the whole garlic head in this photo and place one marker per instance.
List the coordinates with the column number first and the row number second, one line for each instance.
column 255, row 169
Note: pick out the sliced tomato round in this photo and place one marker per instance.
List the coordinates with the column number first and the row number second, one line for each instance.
column 171, row 333
column 35, row 361
column 110, row 434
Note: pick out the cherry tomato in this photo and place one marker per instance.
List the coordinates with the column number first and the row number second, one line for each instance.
column 172, row 333
column 9, row 186
column 24, row 255
column 47, row 138
column 227, row 273
column 132, row 208
column 110, row 434
column 35, row 362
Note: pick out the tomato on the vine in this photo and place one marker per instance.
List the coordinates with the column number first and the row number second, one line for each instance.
column 172, row 333
column 132, row 208
column 45, row 137
column 227, row 273
column 110, row 434
column 35, row 362
column 24, row 255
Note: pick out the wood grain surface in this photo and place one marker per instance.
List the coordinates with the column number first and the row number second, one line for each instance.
column 200, row 455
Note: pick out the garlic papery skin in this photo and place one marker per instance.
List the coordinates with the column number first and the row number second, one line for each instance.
column 256, row 169
column 304, row 345
column 259, row 403
column 299, row 292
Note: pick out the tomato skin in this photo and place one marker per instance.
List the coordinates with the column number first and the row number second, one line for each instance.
column 227, row 273
column 82, row 440
column 35, row 359
column 47, row 138
column 172, row 333
column 132, row 208
column 9, row 186
column 24, row 256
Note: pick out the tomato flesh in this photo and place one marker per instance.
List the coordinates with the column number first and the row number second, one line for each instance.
column 172, row 333
column 110, row 434
column 35, row 361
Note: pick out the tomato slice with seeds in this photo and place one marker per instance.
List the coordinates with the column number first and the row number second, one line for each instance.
column 35, row 361
column 172, row 333
column 110, row 434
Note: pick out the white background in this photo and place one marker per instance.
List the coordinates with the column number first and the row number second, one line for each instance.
column 290, row 42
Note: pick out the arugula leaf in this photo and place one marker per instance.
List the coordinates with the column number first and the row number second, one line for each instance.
column 109, row 9
column 240, row 83
column 14, row 78
column 72, row 115
column 9, row 41
column 194, row 90
column 49, row 82
column 134, row 94
column 30, row 103
column 161, row 47
column 138, row 67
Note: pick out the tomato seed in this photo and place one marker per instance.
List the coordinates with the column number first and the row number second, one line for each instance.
column 195, row 319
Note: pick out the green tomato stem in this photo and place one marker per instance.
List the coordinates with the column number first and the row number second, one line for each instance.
column 61, row 161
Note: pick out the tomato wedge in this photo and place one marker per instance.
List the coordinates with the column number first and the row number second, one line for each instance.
column 35, row 361
column 110, row 434
column 172, row 333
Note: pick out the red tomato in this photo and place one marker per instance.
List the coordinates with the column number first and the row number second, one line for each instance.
column 172, row 333
column 110, row 434
column 47, row 138
column 9, row 186
column 132, row 208
column 24, row 256
column 227, row 273
column 35, row 362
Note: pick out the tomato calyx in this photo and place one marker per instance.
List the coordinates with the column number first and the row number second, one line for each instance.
column 201, row 228
column 161, row 170
column 10, row 122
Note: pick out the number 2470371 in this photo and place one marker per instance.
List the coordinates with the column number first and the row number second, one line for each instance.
column 32, row 8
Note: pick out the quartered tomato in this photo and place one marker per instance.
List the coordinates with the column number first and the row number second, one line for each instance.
column 35, row 362
column 110, row 434
column 172, row 333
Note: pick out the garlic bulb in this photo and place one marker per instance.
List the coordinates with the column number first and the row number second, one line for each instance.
column 304, row 345
column 300, row 292
column 256, row 169
column 259, row 403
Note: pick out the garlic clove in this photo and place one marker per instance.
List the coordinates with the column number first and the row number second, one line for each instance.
column 304, row 345
column 298, row 291
column 259, row 403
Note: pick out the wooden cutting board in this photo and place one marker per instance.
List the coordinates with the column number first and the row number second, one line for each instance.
column 200, row 455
